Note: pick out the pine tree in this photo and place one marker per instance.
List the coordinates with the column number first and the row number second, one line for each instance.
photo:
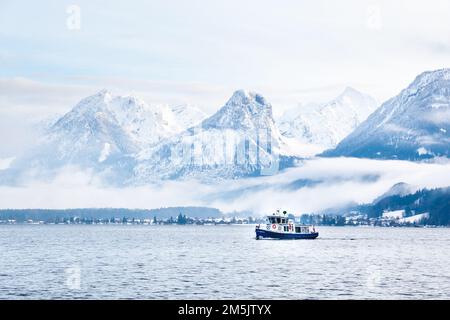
column 181, row 219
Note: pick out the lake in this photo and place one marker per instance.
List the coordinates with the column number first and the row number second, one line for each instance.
column 221, row 262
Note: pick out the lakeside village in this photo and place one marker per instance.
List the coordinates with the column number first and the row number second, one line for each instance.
column 388, row 219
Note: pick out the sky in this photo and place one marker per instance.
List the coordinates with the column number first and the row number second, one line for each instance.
column 54, row 53
column 203, row 50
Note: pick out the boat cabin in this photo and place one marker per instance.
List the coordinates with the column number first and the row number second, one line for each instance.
column 284, row 222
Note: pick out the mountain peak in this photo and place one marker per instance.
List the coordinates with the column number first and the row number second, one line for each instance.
column 244, row 110
column 324, row 125
column 103, row 95
column 95, row 101
column 103, row 92
column 188, row 115
column 399, row 189
column 349, row 91
column 429, row 77
column 355, row 96
column 106, row 101
column 245, row 97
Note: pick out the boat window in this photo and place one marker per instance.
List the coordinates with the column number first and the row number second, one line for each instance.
column 297, row 229
column 278, row 220
column 283, row 220
column 285, row 228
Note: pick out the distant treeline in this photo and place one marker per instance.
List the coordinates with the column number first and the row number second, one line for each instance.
column 21, row 215
column 434, row 201
column 323, row 219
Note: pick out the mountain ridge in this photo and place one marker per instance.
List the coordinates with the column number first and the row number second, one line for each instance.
column 413, row 125
column 236, row 141
column 326, row 124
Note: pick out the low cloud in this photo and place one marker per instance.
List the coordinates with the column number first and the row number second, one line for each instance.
column 439, row 117
column 6, row 162
column 337, row 182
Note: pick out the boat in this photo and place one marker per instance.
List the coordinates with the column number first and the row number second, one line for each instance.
column 282, row 226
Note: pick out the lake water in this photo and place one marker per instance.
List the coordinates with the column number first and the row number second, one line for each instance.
column 219, row 262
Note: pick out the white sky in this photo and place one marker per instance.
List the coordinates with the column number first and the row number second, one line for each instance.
column 200, row 51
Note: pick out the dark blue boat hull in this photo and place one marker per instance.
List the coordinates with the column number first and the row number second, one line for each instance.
column 260, row 233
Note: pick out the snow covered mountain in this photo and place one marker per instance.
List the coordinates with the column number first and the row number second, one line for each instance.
column 104, row 132
column 325, row 125
column 123, row 140
column 399, row 189
column 110, row 124
column 413, row 125
column 239, row 140
column 188, row 115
